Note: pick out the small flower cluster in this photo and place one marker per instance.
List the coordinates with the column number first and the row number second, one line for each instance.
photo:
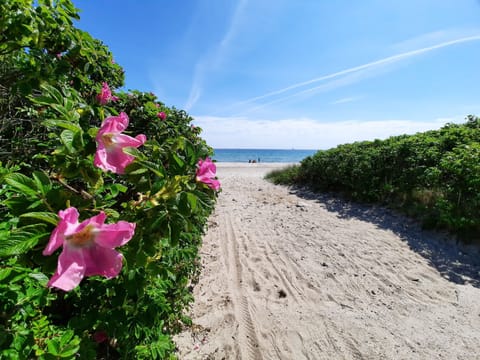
column 105, row 95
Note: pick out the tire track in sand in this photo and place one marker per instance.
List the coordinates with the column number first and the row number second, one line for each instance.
column 247, row 334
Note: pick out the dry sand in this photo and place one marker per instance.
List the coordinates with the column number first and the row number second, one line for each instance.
column 292, row 275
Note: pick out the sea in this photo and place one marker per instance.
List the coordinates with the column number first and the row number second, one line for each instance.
column 261, row 155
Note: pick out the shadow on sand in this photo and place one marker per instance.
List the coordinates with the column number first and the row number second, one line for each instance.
column 457, row 262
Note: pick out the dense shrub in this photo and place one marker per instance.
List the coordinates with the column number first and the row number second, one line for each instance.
column 283, row 176
column 434, row 175
column 55, row 121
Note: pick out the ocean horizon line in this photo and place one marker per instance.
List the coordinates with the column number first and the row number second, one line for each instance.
column 261, row 155
column 268, row 149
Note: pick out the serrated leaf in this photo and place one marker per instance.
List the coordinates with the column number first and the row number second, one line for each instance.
column 34, row 204
column 153, row 167
column 43, row 100
column 40, row 277
column 136, row 172
column 133, row 151
column 66, row 337
column 47, row 217
column 53, row 347
column 121, row 188
column 67, row 139
column 22, row 183
column 42, row 181
column 4, row 273
column 69, row 351
column 21, row 240
column 64, row 124
column 53, row 93
column 192, row 199
column 178, row 160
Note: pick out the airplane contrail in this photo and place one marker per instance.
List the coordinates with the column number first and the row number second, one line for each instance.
column 386, row 60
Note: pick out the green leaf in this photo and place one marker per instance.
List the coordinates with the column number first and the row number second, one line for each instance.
column 48, row 217
column 22, row 183
column 133, row 151
column 21, row 240
column 67, row 137
column 53, row 347
column 64, row 124
column 42, row 181
column 192, row 199
column 178, row 160
column 66, row 337
column 153, row 167
column 70, row 350
column 4, row 273
column 53, row 93
column 40, row 277
column 43, row 100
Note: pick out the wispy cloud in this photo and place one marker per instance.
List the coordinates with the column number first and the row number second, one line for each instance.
column 346, row 100
column 304, row 133
column 214, row 57
column 365, row 69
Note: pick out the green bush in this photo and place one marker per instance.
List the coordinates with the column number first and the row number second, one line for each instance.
column 434, row 175
column 285, row 176
column 51, row 117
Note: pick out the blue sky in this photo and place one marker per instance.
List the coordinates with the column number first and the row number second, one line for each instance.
column 308, row 74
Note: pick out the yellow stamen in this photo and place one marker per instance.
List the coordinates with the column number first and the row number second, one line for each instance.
column 108, row 139
column 82, row 238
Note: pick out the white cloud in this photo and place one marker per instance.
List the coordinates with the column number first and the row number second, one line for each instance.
column 346, row 100
column 215, row 57
column 305, row 133
column 434, row 37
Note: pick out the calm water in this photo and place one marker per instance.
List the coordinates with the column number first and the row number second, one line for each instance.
column 262, row 155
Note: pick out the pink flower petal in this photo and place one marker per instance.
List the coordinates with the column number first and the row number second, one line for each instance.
column 100, row 336
column 70, row 270
column 87, row 248
column 206, row 173
column 113, row 124
column 212, row 183
column 102, row 261
column 100, row 160
column 68, row 222
column 114, row 235
column 122, row 140
column 117, row 160
column 96, row 221
column 105, row 95
column 109, row 155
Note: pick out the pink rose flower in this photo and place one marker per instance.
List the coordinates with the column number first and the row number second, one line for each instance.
column 105, row 95
column 161, row 115
column 111, row 142
column 100, row 336
column 88, row 248
column 206, row 172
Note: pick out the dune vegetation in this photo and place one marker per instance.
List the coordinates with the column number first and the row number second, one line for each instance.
column 433, row 176
column 104, row 197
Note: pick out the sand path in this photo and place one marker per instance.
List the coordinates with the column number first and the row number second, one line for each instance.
column 291, row 275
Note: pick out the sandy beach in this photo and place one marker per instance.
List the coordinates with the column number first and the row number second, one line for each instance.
column 288, row 274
